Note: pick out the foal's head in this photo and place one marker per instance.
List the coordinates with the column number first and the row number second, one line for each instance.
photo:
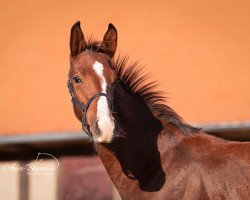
column 91, row 73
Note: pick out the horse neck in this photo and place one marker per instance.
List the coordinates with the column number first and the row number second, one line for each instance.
column 133, row 159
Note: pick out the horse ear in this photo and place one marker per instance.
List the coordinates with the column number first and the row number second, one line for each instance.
column 109, row 42
column 77, row 41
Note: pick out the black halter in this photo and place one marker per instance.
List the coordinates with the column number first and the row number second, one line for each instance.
column 84, row 108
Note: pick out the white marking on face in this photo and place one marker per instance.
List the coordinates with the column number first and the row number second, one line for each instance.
column 105, row 123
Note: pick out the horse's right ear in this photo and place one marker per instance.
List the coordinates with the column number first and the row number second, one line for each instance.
column 109, row 42
column 77, row 41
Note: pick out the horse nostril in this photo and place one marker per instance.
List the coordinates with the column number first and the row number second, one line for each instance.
column 97, row 129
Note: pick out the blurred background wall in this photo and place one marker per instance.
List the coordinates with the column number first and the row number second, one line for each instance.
column 198, row 51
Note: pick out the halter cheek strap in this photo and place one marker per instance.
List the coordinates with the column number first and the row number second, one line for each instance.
column 84, row 108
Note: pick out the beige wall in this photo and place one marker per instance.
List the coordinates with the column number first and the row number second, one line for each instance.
column 197, row 50
column 38, row 186
column 9, row 181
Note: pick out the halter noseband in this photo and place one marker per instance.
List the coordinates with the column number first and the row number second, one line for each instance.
column 84, row 108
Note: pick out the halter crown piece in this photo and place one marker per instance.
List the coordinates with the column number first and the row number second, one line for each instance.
column 84, row 108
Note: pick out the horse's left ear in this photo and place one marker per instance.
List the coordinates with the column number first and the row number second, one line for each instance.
column 77, row 40
column 109, row 42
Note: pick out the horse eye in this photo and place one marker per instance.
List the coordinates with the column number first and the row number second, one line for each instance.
column 77, row 79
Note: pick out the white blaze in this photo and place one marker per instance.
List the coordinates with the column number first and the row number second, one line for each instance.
column 105, row 122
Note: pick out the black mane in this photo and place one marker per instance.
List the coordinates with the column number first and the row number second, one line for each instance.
column 131, row 77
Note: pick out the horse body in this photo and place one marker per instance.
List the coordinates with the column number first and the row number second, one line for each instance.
column 149, row 152
column 187, row 176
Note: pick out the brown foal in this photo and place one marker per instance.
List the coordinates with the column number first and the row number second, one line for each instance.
column 148, row 151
